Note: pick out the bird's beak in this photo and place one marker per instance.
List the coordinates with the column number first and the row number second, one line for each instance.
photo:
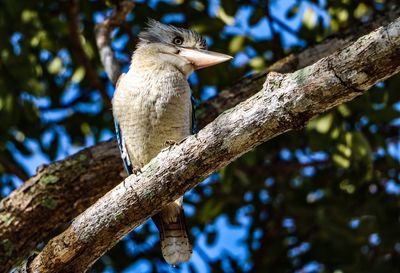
column 203, row 58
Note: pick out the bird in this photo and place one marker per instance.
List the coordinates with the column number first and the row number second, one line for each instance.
column 153, row 107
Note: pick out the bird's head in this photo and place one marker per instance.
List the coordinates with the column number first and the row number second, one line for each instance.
column 182, row 48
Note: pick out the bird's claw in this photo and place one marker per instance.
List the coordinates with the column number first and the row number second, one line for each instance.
column 136, row 170
column 170, row 143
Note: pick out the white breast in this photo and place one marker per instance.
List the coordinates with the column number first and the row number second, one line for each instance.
column 152, row 107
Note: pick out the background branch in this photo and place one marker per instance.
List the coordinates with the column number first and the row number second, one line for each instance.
column 285, row 102
column 103, row 39
column 79, row 52
column 13, row 168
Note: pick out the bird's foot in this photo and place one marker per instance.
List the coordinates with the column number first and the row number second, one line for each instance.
column 136, row 170
column 169, row 143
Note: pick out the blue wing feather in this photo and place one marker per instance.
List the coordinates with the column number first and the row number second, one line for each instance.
column 195, row 104
column 122, row 149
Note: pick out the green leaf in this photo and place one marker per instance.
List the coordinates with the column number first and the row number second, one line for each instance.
column 341, row 161
column 78, row 75
column 324, row 123
column 309, row 18
column 257, row 63
column 55, row 66
column 236, row 44
column 361, row 10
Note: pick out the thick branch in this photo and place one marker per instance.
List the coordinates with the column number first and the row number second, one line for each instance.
column 103, row 39
column 56, row 194
column 284, row 103
column 32, row 221
column 78, row 50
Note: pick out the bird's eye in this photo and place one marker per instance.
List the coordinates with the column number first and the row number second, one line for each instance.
column 178, row 40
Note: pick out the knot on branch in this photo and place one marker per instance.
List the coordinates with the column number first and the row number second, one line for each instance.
column 273, row 81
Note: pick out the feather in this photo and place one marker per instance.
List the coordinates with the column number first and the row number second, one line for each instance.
column 122, row 149
column 157, row 32
column 175, row 244
column 195, row 104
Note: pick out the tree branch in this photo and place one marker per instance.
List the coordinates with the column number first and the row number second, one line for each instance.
column 55, row 195
column 103, row 39
column 79, row 52
column 31, row 221
column 276, row 37
column 284, row 103
column 12, row 168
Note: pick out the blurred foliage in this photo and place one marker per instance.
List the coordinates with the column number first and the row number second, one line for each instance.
column 321, row 199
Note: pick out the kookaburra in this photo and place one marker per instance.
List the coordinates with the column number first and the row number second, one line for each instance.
column 152, row 108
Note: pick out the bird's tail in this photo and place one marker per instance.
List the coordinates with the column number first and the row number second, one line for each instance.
column 175, row 244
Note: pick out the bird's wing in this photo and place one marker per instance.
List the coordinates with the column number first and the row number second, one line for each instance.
column 122, row 149
column 195, row 104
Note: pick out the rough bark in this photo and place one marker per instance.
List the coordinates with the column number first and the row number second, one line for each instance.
column 55, row 195
column 33, row 222
column 284, row 103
